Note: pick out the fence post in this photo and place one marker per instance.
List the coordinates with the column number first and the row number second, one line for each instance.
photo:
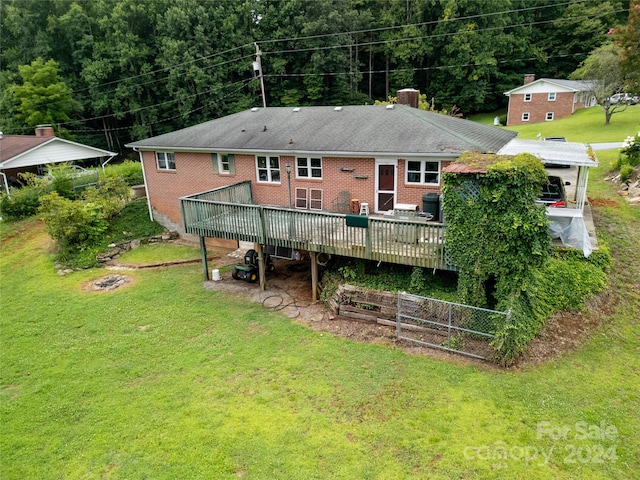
column 203, row 253
column 398, row 328
column 449, row 329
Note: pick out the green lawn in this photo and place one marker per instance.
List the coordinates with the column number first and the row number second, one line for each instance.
column 587, row 126
column 164, row 379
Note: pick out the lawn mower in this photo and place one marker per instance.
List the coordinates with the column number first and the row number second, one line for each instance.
column 249, row 270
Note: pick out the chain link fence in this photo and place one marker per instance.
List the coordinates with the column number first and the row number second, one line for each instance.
column 446, row 325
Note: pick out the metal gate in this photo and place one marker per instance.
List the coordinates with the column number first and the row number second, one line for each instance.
column 447, row 325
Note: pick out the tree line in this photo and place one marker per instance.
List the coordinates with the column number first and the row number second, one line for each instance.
column 105, row 72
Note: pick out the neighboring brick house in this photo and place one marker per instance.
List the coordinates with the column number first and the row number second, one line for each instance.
column 381, row 155
column 546, row 99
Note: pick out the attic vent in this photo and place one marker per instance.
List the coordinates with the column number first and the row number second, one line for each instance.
column 338, row 109
column 389, row 107
column 297, row 109
column 255, row 109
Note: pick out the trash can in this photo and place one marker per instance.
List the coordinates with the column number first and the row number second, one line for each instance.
column 431, row 204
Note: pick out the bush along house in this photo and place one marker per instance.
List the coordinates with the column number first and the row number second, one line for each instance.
column 348, row 181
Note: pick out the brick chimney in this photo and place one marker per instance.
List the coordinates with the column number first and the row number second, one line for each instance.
column 408, row 96
column 528, row 78
column 45, row 131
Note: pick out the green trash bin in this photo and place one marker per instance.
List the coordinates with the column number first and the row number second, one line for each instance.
column 431, row 204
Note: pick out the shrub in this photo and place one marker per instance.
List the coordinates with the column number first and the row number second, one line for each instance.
column 72, row 223
column 503, row 119
column 631, row 148
column 23, row 203
column 625, row 172
column 110, row 196
column 130, row 171
column 61, row 180
column 563, row 284
column 566, row 282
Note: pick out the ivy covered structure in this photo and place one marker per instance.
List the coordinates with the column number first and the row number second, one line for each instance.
column 499, row 238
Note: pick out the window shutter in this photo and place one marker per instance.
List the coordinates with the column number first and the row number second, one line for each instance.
column 214, row 162
column 232, row 163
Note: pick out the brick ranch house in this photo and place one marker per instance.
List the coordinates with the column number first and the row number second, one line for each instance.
column 546, row 99
column 380, row 155
column 286, row 178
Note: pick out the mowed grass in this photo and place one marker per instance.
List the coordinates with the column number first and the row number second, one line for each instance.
column 164, row 379
column 586, row 125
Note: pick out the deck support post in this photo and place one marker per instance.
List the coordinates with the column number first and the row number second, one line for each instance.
column 261, row 268
column 203, row 254
column 314, row 276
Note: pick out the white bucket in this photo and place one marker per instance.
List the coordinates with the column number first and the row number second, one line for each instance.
column 215, row 275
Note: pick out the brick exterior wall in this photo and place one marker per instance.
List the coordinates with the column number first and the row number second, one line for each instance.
column 194, row 173
column 539, row 106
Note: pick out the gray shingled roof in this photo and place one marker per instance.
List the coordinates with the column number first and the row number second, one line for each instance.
column 576, row 85
column 351, row 130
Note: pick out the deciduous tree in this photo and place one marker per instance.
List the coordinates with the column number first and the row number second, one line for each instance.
column 603, row 78
column 43, row 97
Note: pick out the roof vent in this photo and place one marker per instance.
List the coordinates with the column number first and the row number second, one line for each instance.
column 255, row 109
column 389, row 107
column 337, row 109
column 297, row 109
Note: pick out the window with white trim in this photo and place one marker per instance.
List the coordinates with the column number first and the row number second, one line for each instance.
column 308, row 167
column 527, row 97
column 165, row 161
column 549, row 116
column 223, row 163
column 551, row 97
column 423, row 172
column 268, row 168
column 525, row 116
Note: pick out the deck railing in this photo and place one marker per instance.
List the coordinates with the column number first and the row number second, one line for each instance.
column 408, row 241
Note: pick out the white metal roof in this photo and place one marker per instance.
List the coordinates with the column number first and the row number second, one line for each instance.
column 561, row 153
column 54, row 150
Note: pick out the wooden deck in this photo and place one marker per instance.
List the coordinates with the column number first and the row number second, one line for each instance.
column 230, row 214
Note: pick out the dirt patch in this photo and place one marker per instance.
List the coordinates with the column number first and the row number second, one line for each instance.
column 602, row 202
column 289, row 292
column 108, row 283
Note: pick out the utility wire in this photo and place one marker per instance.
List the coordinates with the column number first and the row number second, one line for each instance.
column 468, row 17
column 136, row 110
column 431, row 22
column 435, row 35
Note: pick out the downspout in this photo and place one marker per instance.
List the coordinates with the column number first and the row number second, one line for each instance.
column 146, row 187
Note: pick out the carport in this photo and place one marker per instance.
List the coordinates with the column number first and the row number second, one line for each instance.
column 20, row 153
column 569, row 225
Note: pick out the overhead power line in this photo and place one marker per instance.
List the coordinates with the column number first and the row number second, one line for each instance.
column 280, row 40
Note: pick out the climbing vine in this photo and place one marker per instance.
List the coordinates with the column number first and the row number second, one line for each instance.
column 498, row 237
